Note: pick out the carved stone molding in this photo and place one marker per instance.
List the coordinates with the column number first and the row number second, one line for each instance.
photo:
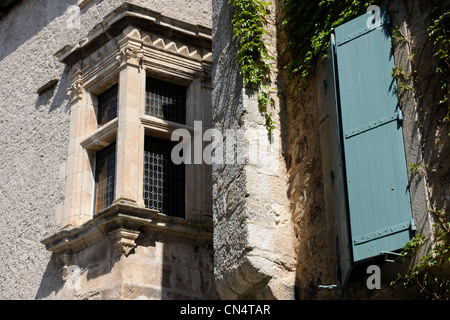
column 164, row 128
column 122, row 224
column 206, row 77
column 123, row 240
column 75, row 91
column 129, row 56
column 64, row 261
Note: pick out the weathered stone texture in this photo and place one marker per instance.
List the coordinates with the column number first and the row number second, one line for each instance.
column 161, row 266
column 34, row 130
column 302, row 149
column 274, row 228
column 426, row 113
column 253, row 236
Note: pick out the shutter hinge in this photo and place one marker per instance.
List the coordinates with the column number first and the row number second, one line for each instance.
column 400, row 116
column 413, row 225
column 387, row 255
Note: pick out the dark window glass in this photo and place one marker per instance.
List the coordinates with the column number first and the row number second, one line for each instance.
column 105, row 172
column 164, row 181
column 165, row 100
column 107, row 105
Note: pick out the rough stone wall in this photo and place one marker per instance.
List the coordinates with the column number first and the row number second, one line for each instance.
column 424, row 104
column 34, row 130
column 307, row 154
column 253, row 236
column 304, row 113
column 302, row 147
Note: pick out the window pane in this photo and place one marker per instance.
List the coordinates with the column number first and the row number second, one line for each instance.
column 164, row 181
column 107, row 105
column 165, row 100
column 104, row 177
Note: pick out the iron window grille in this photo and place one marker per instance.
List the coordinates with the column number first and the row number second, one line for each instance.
column 164, row 181
column 107, row 105
column 105, row 173
column 165, row 100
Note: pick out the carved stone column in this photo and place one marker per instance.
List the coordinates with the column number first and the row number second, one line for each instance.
column 78, row 180
column 130, row 135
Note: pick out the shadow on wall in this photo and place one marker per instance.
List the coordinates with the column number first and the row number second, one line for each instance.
column 53, row 94
column 227, row 83
column 162, row 266
column 51, row 280
column 301, row 122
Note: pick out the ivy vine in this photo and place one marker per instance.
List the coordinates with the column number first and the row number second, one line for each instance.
column 308, row 26
column 248, row 27
column 439, row 34
column 431, row 273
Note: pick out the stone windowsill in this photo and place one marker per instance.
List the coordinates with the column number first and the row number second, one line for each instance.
column 102, row 137
column 121, row 216
column 163, row 128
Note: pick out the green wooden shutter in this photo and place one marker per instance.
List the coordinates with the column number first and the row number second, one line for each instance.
column 375, row 209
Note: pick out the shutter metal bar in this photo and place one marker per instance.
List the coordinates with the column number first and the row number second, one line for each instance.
column 362, row 32
column 374, row 124
column 354, row 36
column 107, row 105
column 383, row 232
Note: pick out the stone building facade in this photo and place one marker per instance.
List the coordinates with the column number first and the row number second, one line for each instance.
column 99, row 67
column 85, row 127
column 301, row 260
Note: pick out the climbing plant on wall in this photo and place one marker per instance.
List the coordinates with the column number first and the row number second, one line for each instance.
column 430, row 274
column 439, row 35
column 308, row 26
column 248, row 26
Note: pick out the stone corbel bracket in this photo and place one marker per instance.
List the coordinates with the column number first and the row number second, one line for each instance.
column 121, row 224
column 124, row 240
column 75, row 90
column 64, row 261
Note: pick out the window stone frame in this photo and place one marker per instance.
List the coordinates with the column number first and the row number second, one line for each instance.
column 128, row 45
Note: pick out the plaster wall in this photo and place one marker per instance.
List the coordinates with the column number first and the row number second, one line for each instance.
column 34, row 129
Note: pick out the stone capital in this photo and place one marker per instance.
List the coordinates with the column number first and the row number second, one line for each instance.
column 130, row 56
